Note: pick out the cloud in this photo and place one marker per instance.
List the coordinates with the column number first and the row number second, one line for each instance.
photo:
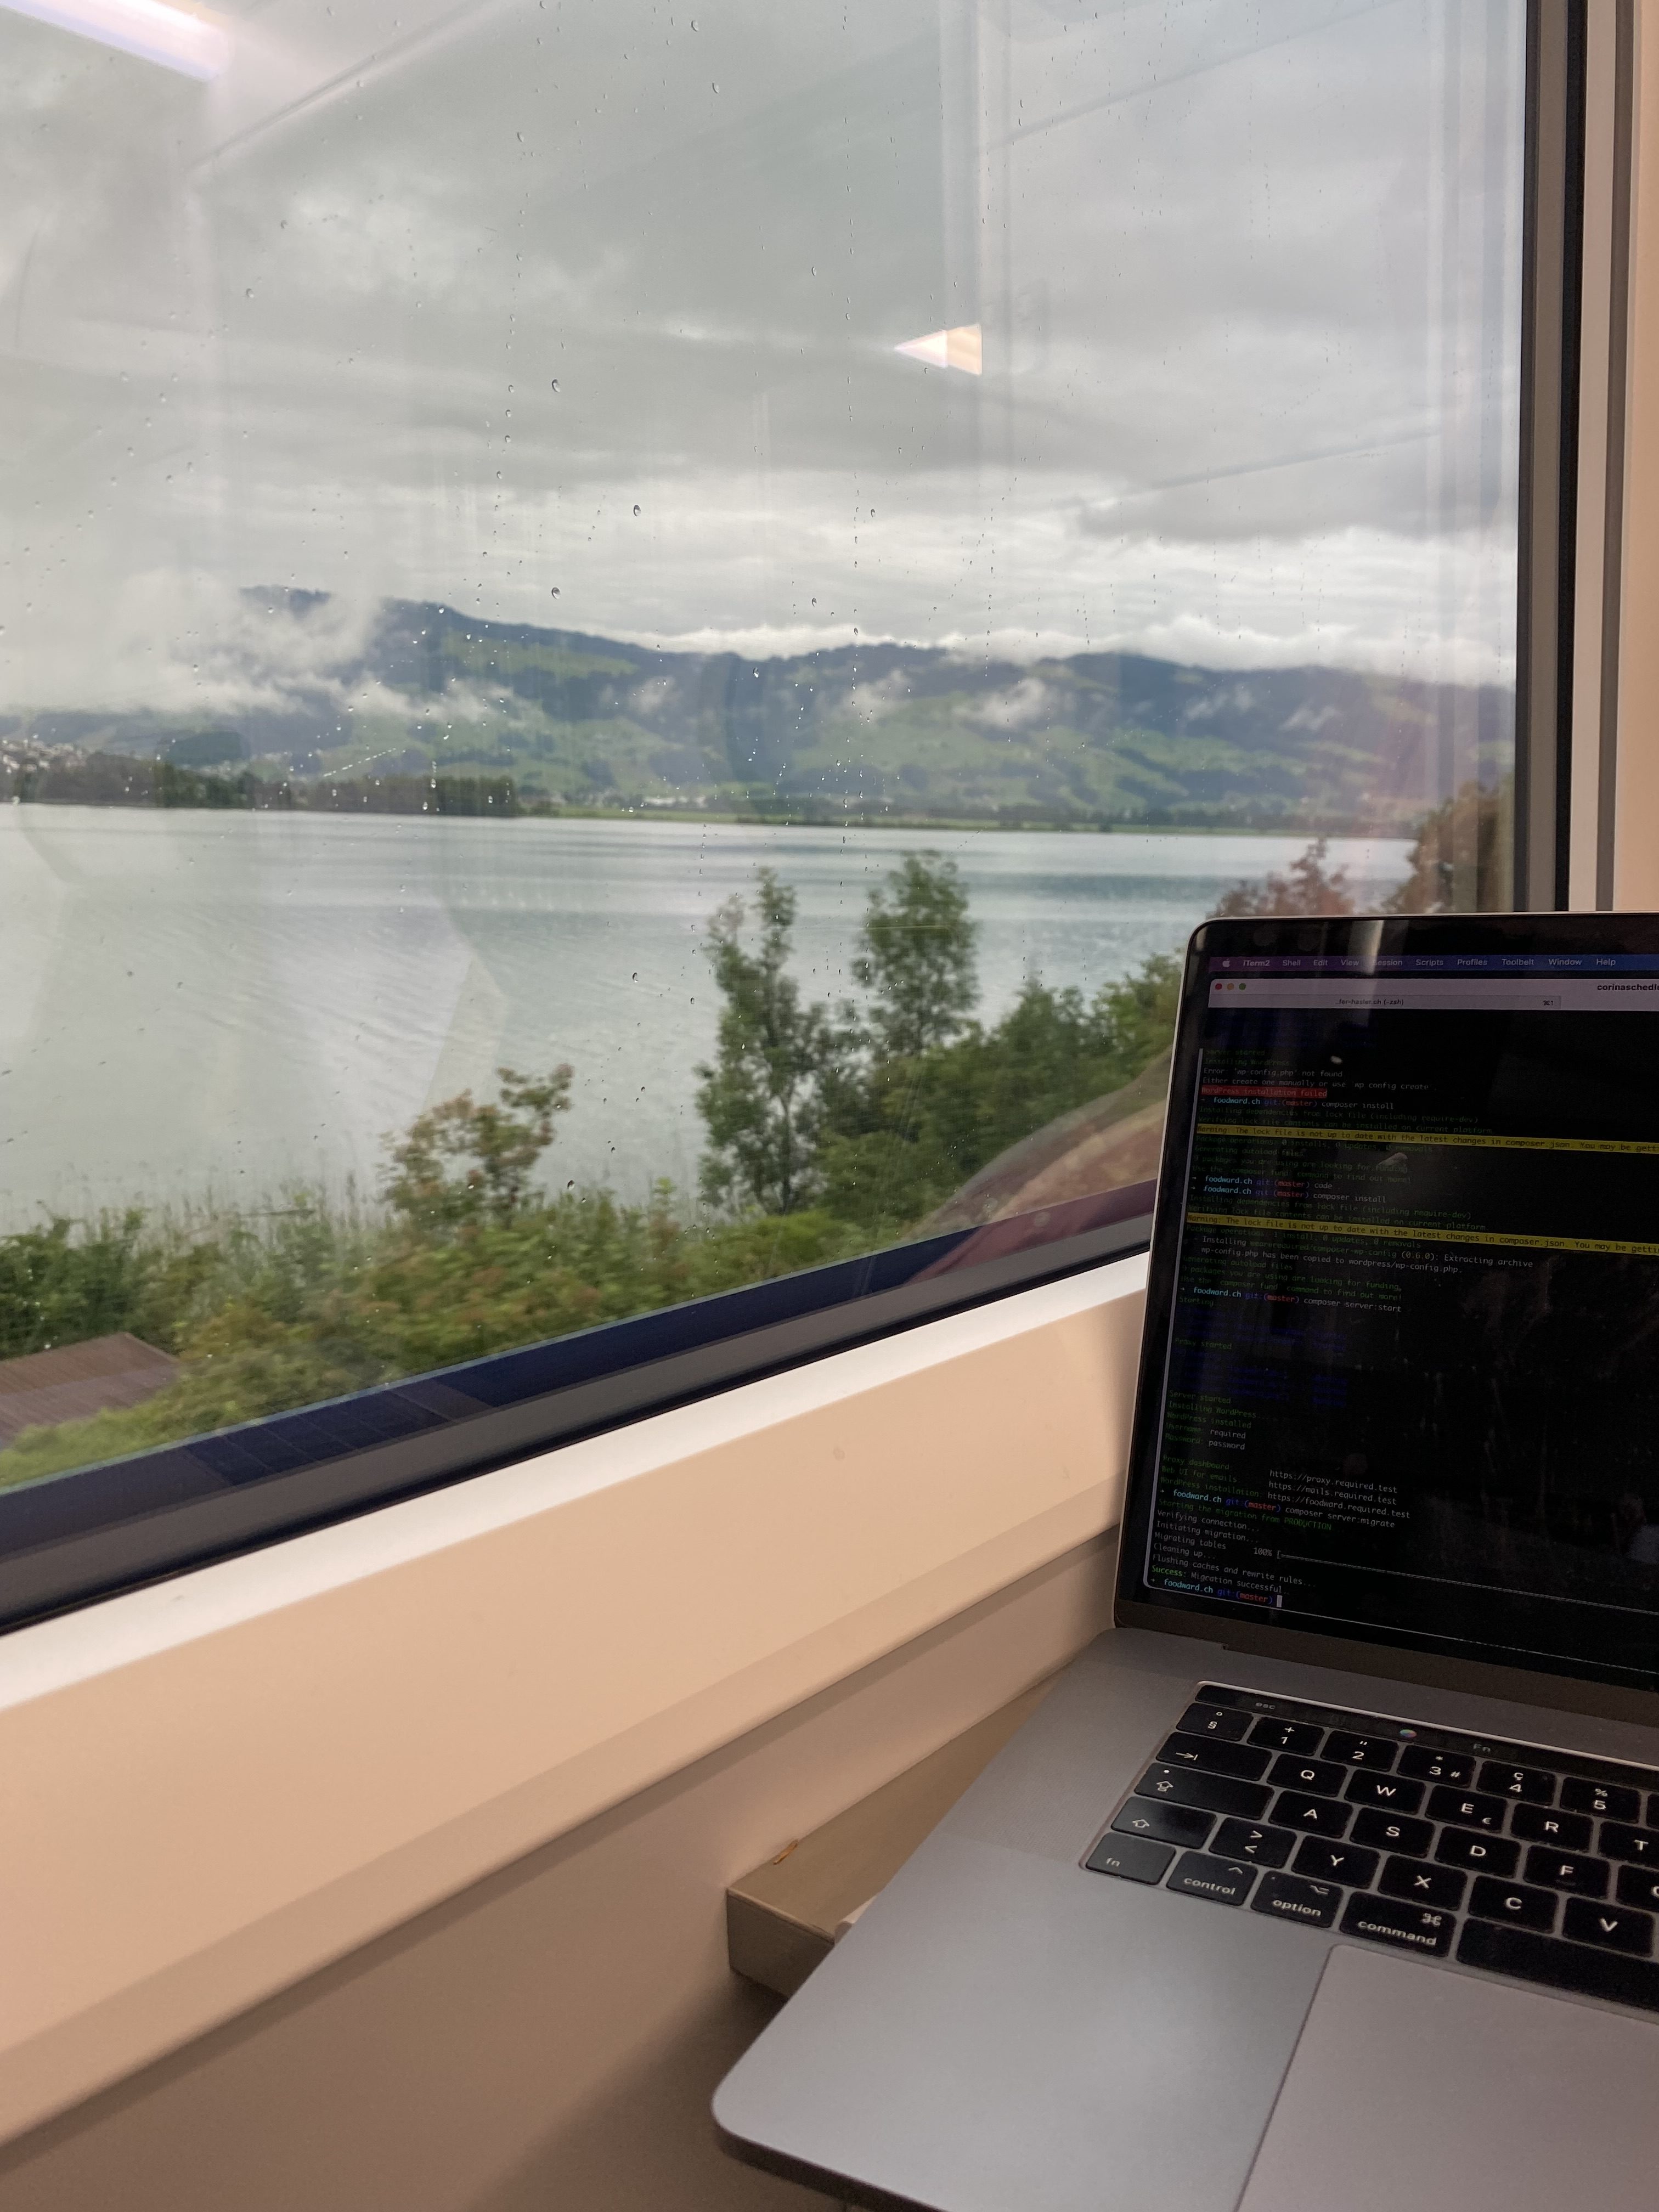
column 534, row 305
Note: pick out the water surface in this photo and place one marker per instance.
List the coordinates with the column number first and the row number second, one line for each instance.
column 200, row 1004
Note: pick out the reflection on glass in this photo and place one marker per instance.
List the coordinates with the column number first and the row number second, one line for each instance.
column 568, row 569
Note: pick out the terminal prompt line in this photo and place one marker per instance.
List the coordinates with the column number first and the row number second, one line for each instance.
column 1400, row 1233
column 1477, row 1140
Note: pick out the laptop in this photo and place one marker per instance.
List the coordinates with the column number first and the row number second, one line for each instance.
column 1329, row 1880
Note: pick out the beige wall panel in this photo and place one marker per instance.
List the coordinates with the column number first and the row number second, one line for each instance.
column 551, row 2038
column 1636, row 845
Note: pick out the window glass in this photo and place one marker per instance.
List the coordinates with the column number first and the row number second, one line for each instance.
column 632, row 634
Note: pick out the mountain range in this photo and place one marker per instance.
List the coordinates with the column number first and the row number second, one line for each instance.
column 867, row 731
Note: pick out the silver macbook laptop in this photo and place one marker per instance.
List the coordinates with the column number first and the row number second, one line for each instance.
column 1330, row 1878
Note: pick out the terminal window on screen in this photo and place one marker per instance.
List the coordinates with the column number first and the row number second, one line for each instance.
column 1413, row 1374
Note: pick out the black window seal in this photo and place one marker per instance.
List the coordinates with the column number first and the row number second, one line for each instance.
column 62, row 1544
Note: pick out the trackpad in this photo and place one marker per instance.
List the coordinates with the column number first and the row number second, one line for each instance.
column 1413, row 2089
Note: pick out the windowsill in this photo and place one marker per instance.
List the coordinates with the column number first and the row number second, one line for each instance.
column 216, row 1786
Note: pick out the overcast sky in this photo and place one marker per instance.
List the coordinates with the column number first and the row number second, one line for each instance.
column 1247, row 272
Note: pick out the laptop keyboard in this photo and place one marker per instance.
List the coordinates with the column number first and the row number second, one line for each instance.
column 1540, row 1864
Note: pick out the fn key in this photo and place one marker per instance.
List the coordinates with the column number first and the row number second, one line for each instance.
column 1134, row 1858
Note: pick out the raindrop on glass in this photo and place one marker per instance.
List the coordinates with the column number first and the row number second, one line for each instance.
column 636, row 510
column 555, row 383
column 556, row 591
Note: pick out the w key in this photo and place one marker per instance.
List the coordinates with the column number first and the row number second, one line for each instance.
column 1388, row 1790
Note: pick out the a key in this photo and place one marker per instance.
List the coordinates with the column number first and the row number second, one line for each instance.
column 1211, row 1793
column 1311, row 1816
column 1568, row 1832
column 1406, row 1927
column 1391, row 1792
column 1610, row 1927
column 1563, row 1870
column 1244, row 1839
column 1467, row 1808
column 1463, row 1847
column 1224, row 1881
column 1220, row 1723
column 1386, row 1832
column 1322, row 1861
column 1164, row 1824
column 1584, row 1968
column 1374, row 1751
column 1241, row 1759
column 1287, row 1897
column 1512, row 1901
column 1419, row 1883
column 1608, row 1800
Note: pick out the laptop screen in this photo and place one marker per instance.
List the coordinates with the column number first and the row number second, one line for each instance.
column 1401, row 1378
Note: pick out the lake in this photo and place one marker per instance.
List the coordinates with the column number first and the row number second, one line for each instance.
column 204, row 1006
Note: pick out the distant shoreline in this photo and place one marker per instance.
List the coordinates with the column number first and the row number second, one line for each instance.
column 533, row 810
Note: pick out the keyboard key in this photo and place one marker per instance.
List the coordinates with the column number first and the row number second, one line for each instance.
column 1588, row 1971
column 1220, row 1723
column 1639, row 1846
column 1418, row 1883
column 1424, row 1765
column 1514, row 1902
column 1372, row 1751
column 1225, row 1881
column 1287, row 1735
column 1164, row 1824
column 1465, row 1809
column 1211, row 1793
column 1132, row 1856
column 1317, row 1775
column 1568, row 1832
column 1241, row 1759
column 1639, row 1886
column 1608, row 1800
column 1311, row 1816
column 1243, row 1840
column 1407, row 1927
column 1566, row 1870
column 1322, row 1860
column 1386, row 1832
column 1286, row 1897
column 1530, row 1784
column 1462, row 1847
column 1612, row 1927
column 1388, row 1790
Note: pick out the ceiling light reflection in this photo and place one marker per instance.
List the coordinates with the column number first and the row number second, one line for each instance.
column 957, row 348
column 176, row 38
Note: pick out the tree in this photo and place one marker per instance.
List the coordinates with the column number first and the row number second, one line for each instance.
column 495, row 1146
column 917, row 948
column 1308, row 888
column 1461, row 857
column 762, row 1099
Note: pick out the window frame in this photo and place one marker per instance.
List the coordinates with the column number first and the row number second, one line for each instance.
column 55, row 1551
